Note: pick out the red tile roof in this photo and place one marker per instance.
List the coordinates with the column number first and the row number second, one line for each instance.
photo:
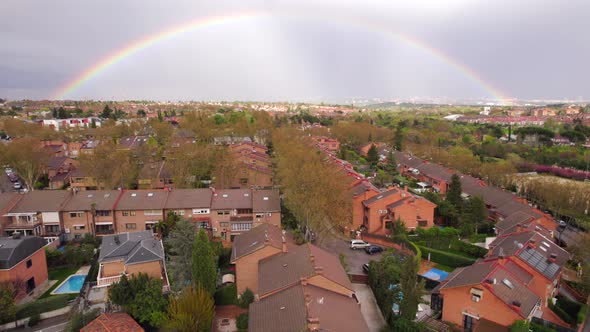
column 114, row 322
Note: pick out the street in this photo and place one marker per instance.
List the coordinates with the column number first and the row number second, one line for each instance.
column 354, row 258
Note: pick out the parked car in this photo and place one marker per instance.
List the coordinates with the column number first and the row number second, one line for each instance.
column 373, row 249
column 12, row 177
column 8, row 170
column 17, row 185
column 358, row 244
column 366, row 268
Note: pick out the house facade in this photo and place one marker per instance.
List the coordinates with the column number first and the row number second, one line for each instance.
column 23, row 263
column 129, row 254
column 38, row 213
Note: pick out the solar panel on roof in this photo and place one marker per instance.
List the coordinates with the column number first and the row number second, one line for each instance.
column 539, row 262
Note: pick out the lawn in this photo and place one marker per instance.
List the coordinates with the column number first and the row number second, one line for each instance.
column 60, row 274
column 51, row 303
column 444, row 268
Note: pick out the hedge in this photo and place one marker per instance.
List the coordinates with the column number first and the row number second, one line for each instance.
column 44, row 305
column 582, row 313
column 469, row 249
column 445, row 258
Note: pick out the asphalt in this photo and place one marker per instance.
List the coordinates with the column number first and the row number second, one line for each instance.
column 369, row 308
column 354, row 258
column 5, row 184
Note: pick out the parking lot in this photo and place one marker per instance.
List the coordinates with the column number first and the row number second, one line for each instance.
column 354, row 258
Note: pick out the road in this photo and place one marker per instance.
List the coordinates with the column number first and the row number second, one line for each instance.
column 354, row 258
column 5, row 184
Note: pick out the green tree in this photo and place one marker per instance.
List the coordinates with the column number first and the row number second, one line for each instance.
column 454, row 193
column 398, row 227
column 141, row 297
column 391, row 165
column 106, row 112
column 120, row 293
column 373, row 155
column 398, row 138
column 192, row 310
column 8, row 312
column 412, row 290
column 520, row 326
column 141, row 113
column 180, row 244
column 246, row 298
column 203, row 264
column 383, row 274
column 475, row 213
column 80, row 319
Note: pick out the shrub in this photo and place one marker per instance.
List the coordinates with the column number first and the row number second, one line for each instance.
column 582, row 313
column 226, row 295
column 34, row 319
column 445, row 258
column 242, row 322
column 246, row 298
column 469, row 249
column 43, row 305
column 298, row 237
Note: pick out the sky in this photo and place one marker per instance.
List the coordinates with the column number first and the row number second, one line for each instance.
column 303, row 50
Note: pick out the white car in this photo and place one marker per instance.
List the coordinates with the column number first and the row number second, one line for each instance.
column 8, row 170
column 358, row 244
column 17, row 185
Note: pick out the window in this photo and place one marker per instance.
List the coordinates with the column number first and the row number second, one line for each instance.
column 244, row 211
column 200, row 211
column 79, row 227
column 152, row 212
column 128, row 213
column 223, row 224
column 243, row 180
column 467, row 323
column 76, row 214
column 241, row 226
column 77, row 236
column 422, row 223
column 130, row 226
column 103, row 213
column 29, row 263
column 203, row 224
column 221, row 213
column 179, row 212
column 476, row 294
column 259, row 215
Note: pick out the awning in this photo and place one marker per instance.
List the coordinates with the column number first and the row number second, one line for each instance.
column 104, row 223
column 81, row 225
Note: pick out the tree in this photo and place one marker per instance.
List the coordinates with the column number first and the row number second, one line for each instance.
column 373, row 155
column 109, row 166
column 8, row 312
column 520, row 326
column 398, row 138
column 475, row 213
column 391, row 165
column 398, row 227
column 142, row 299
column 106, row 112
column 383, row 276
column 454, row 193
column 246, row 298
column 79, row 319
column 412, row 290
column 27, row 157
column 141, row 113
column 192, row 310
column 203, row 264
column 180, row 244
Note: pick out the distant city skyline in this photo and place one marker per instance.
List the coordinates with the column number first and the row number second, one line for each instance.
column 453, row 50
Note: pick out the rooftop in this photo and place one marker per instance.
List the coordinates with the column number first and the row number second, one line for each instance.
column 13, row 251
column 135, row 247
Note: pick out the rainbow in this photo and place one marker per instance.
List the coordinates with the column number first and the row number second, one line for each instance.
column 200, row 23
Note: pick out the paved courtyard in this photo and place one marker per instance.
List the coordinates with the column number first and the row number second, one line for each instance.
column 369, row 307
column 354, row 258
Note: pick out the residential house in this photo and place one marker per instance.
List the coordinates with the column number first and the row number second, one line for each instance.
column 129, row 254
column 113, row 322
column 493, row 291
column 539, row 256
column 54, row 148
column 58, row 169
column 382, row 210
column 139, row 210
column 38, row 213
column 326, row 143
column 254, row 165
column 249, row 248
column 192, row 204
column 266, row 207
column 23, row 263
column 231, row 212
column 90, row 212
column 526, row 221
column 132, row 142
column 7, row 202
column 304, row 289
column 360, row 191
column 80, row 180
column 89, row 146
column 154, row 175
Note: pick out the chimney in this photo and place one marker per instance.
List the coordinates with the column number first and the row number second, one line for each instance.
column 533, row 243
column 313, row 324
column 553, row 258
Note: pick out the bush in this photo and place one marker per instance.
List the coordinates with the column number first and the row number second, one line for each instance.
column 469, row 249
column 242, row 322
column 445, row 258
column 298, row 237
column 246, row 298
column 54, row 258
column 226, row 295
column 582, row 313
column 34, row 319
column 43, row 305
column 79, row 319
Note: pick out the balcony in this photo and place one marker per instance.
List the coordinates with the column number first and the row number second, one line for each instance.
column 105, row 231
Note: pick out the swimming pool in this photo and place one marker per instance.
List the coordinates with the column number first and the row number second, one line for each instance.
column 436, row 274
column 72, row 284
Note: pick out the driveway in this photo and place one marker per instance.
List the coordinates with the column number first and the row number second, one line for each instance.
column 369, row 307
column 354, row 258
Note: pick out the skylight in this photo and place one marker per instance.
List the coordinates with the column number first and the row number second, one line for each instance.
column 508, row 283
column 133, row 194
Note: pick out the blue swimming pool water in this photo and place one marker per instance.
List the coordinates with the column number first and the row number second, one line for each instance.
column 436, row 274
column 71, row 285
